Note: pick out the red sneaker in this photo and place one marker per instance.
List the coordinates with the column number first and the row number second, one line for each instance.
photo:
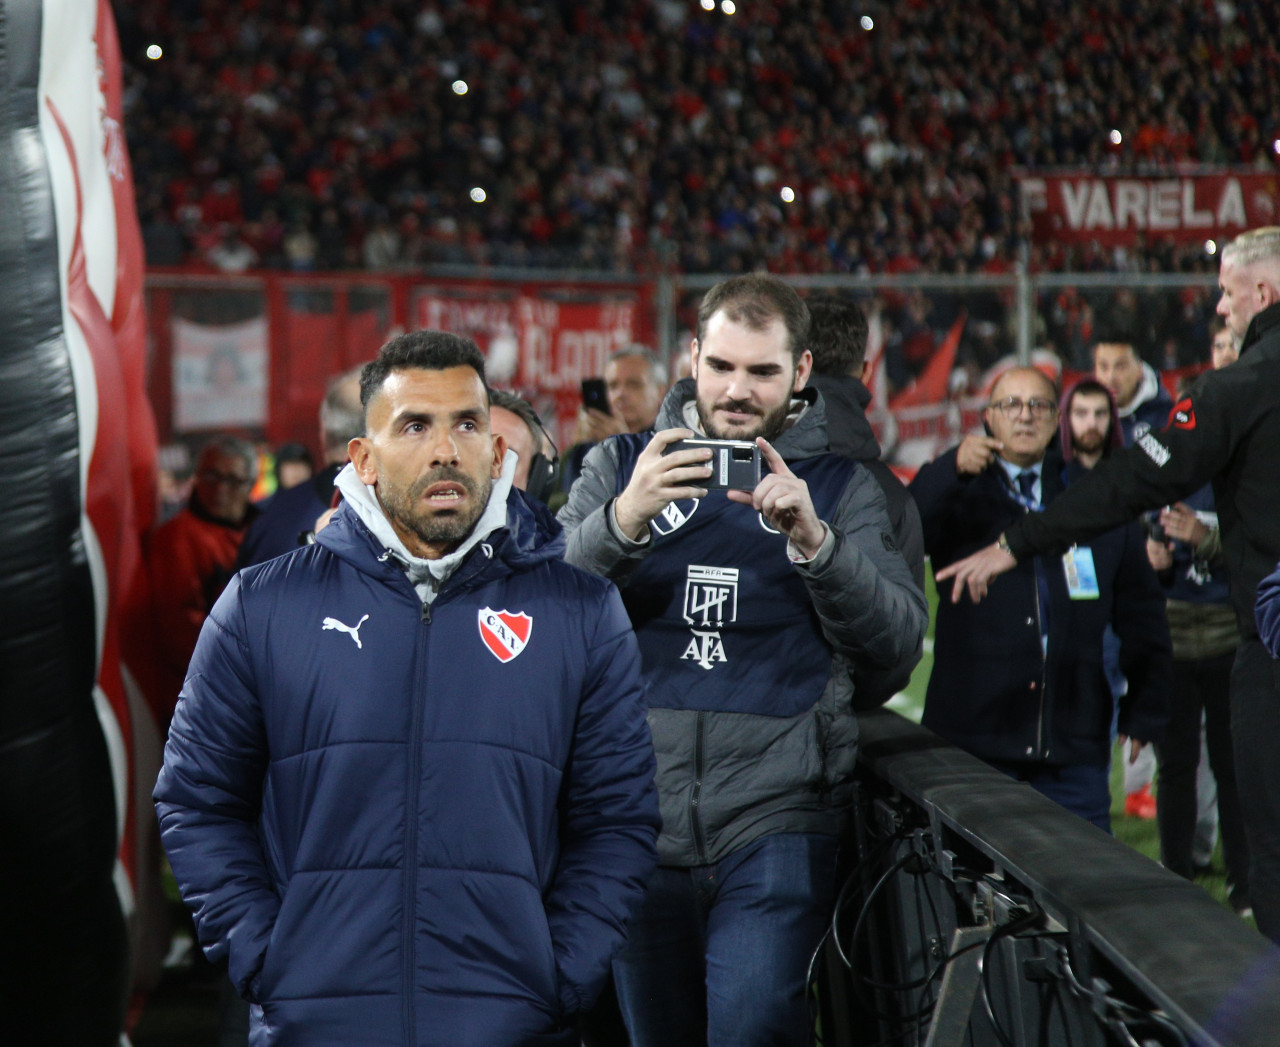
column 1140, row 804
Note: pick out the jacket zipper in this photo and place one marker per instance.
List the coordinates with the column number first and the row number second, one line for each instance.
column 408, row 937
column 1041, row 642
column 695, row 797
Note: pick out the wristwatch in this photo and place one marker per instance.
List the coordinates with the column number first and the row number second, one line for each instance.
column 1002, row 543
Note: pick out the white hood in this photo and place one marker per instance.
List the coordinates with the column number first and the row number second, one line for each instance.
column 426, row 575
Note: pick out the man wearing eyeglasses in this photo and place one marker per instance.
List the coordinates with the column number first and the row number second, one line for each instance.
column 191, row 558
column 1018, row 679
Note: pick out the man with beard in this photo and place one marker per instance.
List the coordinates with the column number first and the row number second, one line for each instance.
column 1090, row 427
column 751, row 607
column 408, row 790
column 1018, row 681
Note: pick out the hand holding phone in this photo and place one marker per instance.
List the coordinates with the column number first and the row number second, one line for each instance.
column 735, row 464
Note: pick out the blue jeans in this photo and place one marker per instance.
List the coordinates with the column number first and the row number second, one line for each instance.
column 1082, row 788
column 718, row 954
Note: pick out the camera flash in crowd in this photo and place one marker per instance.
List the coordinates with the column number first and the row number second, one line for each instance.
column 156, row 52
column 459, row 87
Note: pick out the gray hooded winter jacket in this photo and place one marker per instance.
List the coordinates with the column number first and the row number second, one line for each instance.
column 726, row 779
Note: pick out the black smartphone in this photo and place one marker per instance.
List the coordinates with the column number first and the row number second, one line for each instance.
column 594, row 395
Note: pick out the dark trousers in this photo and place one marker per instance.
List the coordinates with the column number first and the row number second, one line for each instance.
column 1200, row 685
column 718, row 955
column 1082, row 788
column 1255, row 730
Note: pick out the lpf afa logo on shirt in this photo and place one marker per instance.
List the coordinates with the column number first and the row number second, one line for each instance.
column 710, row 600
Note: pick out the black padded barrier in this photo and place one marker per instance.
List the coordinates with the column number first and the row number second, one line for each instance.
column 976, row 912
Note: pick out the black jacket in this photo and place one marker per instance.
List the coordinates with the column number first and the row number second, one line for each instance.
column 286, row 515
column 994, row 691
column 1227, row 430
column 850, row 434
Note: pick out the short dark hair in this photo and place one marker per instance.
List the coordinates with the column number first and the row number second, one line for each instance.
column 341, row 417
column 755, row 299
column 1088, row 387
column 1126, row 343
column 837, row 334
column 425, row 350
column 522, row 409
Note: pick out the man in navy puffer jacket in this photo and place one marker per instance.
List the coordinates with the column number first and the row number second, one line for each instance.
column 408, row 790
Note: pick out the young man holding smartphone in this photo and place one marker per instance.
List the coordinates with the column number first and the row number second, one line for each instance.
column 751, row 607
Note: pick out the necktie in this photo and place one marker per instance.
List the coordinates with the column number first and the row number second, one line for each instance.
column 1027, row 485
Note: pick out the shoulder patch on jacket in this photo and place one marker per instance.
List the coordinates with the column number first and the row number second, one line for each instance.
column 1183, row 415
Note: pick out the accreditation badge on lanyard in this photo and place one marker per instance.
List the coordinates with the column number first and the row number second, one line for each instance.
column 1082, row 576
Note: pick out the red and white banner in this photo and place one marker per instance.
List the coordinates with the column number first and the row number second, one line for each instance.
column 540, row 347
column 562, row 343
column 81, row 751
column 1116, row 211
column 486, row 318
column 219, row 375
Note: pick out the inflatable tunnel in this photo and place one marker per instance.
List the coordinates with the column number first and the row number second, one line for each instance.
column 77, row 454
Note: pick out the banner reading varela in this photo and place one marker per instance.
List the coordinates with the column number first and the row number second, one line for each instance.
column 1116, row 211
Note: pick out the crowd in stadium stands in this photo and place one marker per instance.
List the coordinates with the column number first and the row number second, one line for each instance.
column 331, row 134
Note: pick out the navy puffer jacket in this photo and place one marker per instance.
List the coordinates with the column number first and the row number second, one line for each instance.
column 413, row 825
